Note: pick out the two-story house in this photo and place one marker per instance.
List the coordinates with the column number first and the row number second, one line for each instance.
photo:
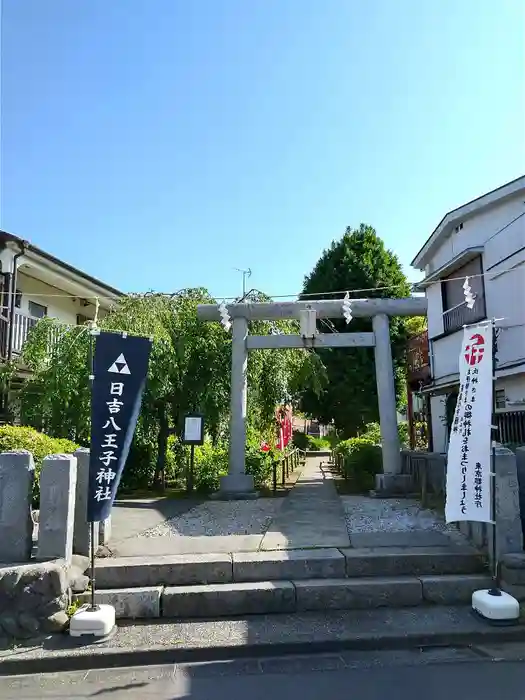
column 483, row 240
column 34, row 284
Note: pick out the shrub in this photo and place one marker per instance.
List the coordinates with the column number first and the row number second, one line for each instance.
column 318, row 444
column 300, row 440
column 309, row 442
column 260, row 464
column 14, row 437
column 211, row 462
column 333, row 439
column 361, row 461
column 373, row 432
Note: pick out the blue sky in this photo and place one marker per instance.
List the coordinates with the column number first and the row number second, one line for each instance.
column 158, row 144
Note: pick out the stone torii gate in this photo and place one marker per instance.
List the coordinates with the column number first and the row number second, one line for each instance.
column 238, row 484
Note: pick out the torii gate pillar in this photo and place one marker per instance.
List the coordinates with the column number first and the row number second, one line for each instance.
column 237, row 483
column 386, row 399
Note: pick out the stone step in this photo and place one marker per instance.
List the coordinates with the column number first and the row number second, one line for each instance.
column 263, row 597
column 242, row 567
column 401, row 561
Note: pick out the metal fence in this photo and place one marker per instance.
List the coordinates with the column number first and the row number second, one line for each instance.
column 428, row 472
column 286, row 465
column 511, row 427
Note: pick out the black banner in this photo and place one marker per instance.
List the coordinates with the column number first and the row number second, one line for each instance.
column 120, row 370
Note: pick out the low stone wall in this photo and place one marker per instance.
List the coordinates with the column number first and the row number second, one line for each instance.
column 513, row 574
column 509, row 535
column 34, row 597
column 36, row 586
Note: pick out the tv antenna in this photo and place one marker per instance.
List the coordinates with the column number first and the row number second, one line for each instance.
column 245, row 274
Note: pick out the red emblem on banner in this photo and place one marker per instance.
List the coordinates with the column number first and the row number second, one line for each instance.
column 475, row 350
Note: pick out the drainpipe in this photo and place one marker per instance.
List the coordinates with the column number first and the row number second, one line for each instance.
column 12, row 293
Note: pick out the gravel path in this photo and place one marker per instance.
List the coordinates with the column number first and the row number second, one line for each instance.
column 219, row 518
column 364, row 514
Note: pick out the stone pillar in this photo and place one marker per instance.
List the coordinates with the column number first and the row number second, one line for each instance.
column 104, row 532
column 520, row 465
column 391, row 479
column 237, row 483
column 17, row 471
column 58, row 480
column 509, row 536
column 82, row 530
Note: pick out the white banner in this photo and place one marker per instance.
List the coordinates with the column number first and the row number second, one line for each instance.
column 469, row 449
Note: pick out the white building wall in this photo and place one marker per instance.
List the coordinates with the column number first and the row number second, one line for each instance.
column 435, row 310
column 439, row 429
column 505, row 300
column 445, row 356
column 60, row 307
column 514, row 387
column 480, row 230
column 504, row 285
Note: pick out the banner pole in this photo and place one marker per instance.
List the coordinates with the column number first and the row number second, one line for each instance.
column 93, row 607
column 192, row 468
column 493, row 429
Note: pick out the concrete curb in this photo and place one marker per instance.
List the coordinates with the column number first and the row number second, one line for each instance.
column 156, row 656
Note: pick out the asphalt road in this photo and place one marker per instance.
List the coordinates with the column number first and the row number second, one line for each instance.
column 444, row 674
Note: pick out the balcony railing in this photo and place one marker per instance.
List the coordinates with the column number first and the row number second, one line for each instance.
column 22, row 325
column 418, row 362
column 454, row 319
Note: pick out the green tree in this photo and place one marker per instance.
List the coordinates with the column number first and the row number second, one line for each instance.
column 414, row 325
column 358, row 261
column 277, row 376
column 189, row 370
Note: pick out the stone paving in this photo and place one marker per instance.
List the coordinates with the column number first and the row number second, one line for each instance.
column 312, row 515
column 364, row 514
column 216, row 518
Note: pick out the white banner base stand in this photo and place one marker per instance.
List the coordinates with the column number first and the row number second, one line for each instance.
column 496, row 607
column 98, row 622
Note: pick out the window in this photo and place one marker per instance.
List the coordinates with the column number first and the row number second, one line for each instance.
column 18, row 299
column 37, row 310
column 82, row 320
column 456, row 313
column 501, row 399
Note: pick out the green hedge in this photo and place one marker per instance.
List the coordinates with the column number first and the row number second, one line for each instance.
column 361, row 460
column 300, row 440
column 13, row 437
column 373, row 432
column 309, row 442
column 211, row 462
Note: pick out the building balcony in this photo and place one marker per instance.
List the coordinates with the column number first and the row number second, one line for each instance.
column 454, row 319
column 418, row 359
column 22, row 325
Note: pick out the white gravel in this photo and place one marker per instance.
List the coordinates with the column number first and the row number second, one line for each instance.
column 219, row 518
column 365, row 514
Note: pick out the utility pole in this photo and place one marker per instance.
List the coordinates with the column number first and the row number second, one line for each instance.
column 245, row 274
